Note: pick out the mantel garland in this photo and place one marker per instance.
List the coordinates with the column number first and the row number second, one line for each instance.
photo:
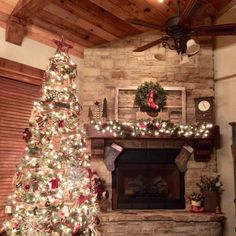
column 154, row 127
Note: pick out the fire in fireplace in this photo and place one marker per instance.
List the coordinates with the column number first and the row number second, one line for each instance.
column 147, row 179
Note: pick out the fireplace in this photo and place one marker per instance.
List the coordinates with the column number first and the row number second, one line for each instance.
column 147, row 179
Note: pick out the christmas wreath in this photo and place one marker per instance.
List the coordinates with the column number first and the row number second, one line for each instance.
column 150, row 96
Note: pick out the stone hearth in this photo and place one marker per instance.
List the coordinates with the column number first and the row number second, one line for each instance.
column 160, row 223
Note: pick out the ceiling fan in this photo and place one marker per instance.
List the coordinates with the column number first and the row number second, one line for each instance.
column 178, row 34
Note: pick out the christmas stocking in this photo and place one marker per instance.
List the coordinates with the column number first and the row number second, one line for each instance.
column 182, row 159
column 111, row 153
column 150, row 100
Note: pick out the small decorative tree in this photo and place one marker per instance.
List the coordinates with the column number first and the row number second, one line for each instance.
column 97, row 111
column 90, row 114
column 104, row 108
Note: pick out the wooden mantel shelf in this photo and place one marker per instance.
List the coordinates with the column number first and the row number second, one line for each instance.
column 203, row 146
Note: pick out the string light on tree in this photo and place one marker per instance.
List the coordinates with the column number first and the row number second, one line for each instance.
column 46, row 197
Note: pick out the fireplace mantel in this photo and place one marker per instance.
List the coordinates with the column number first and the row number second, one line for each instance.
column 203, row 146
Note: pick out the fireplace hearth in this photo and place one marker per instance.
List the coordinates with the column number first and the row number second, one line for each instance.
column 147, row 179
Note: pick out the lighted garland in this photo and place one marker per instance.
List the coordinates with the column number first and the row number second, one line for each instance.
column 153, row 127
column 150, row 96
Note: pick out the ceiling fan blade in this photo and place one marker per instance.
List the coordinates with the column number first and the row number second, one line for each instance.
column 152, row 44
column 214, row 30
column 145, row 24
column 190, row 10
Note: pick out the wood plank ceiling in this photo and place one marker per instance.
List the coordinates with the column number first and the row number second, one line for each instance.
column 88, row 23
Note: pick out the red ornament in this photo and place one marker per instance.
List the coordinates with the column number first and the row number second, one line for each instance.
column 143, row 126
column 91, row 173
column 27, row 187
column 27, row 135
column 82, row 199
column 76, row 230
column 61, row 123
column 150, row 100
column 16, row 224
column 96, row 220
column 54, row 183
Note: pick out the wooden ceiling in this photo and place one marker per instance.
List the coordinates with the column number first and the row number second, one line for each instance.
column 88, row 23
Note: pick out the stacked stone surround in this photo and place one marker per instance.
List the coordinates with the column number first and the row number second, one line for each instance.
column 160, row 223
column 116, row 65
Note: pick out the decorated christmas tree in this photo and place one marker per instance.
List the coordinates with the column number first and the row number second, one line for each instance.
column 54, row 191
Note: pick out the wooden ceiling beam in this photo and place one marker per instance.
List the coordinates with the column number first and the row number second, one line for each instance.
column 80, row 22
column 101, row 18
column 117, row 11
column 16, row 24
column 120, row 11
column 148, row 10
column 46, row 37
column 87, row 38
column 60, row 31
column 227, row 7
column 188, row 10
column 167, row 10
column 6, row 6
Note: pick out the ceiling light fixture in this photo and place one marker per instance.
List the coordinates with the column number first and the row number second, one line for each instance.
column 161, row 53
column 192, row 47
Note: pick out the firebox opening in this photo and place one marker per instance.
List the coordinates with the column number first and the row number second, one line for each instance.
column 147, row 179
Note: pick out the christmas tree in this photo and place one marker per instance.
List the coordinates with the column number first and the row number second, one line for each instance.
column 54, row 193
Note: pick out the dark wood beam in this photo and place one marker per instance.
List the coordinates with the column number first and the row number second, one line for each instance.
column 46, row 37
column 227, row 7
column 189, row 11
column 16, row 23
column 98, row 16
column 131, row 9
column 80, row 22
column 56, row 29
column 87, row 38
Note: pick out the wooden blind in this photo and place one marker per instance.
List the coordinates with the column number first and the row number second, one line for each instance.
column 16, row 103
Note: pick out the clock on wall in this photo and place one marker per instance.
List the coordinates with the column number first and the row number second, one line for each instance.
column 204, row 109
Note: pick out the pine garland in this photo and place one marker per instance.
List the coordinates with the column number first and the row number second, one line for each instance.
column 153, row 128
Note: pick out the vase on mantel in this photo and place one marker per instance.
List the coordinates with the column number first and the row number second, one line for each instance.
column 212, row 201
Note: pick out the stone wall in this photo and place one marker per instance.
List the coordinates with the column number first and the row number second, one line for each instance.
column 116, row 65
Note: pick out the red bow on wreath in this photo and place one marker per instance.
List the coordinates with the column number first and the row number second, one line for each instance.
column 151, row 96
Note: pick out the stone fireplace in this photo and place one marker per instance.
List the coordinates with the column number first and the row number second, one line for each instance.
column 147, row 190
column 117, row 66
column 147, row 179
